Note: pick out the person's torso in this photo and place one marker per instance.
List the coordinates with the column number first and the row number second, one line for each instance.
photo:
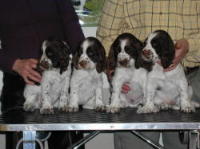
column 24, row 24
column 178, row 17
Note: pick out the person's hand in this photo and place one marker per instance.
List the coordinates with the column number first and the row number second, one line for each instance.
column 181, row 49
column 125, row 88
column 25, row 68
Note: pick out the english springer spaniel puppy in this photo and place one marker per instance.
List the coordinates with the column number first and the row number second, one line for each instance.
column 55, row 66
column 123, row 59
column 89, row 86
column 164, row 89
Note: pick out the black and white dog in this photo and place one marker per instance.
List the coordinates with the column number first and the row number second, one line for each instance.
column 53, row 90
column 89, row 86
column 123, row 59
column 164, row 89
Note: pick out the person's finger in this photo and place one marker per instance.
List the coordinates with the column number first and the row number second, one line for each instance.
column 171, row 67
column 32, row 65
column 35, row 73
column 28, row 81
column 125, row 87
column 124, row 91
column 33, row 61
column 33, row 78
column 177, row 46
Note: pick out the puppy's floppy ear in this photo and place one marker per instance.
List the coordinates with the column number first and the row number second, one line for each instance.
column 64, row 56
column 76, row 57
column 101, row 63
column 168, row 52
column 140, row 62
column 45, row 44
column 112, row 57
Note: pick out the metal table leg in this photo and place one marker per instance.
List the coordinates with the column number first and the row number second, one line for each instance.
column 147, row 140
column 191, row 138
column 28, row 140
column 84, row 140
column 194, row 139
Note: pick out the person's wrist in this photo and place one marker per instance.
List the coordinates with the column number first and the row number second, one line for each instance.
column 16, row 65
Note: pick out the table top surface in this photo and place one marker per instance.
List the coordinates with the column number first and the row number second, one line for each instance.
column 127, row 119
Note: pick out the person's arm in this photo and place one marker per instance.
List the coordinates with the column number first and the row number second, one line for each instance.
column 181, row 50
column 191, row 24
column 72, row 28
column 7, row 58
column 111, row 22
column 26, row 69
column 192, row 58
column 9, row 62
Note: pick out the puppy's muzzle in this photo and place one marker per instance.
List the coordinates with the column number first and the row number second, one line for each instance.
column 42, row 66
column 124, row 62
column 83, row 64
column 147, row 53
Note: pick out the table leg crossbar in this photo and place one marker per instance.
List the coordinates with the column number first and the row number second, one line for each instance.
column 29, row 140
column 84, row 140
column 147, row 140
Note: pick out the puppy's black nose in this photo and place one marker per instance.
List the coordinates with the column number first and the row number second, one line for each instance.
column 146, row 52
column 124, row 62
column 83, row 64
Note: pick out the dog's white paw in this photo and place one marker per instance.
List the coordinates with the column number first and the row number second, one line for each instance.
column 47, row 109
column 100, row 108
column 62, row 106
column 165, row 106
column 148, row 108
column 113, row 109
column 73, row 109
column 28, row 106
column 187, row 107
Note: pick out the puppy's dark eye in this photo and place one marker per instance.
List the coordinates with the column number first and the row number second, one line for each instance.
column 49, row 54
column 128, row 49
column 118, row 49
column 90, row 52
column 154, row 43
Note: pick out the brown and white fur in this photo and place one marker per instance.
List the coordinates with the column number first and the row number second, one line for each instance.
column 164, row 89
column 53, row 91
column 89, row 85
column 122, row 59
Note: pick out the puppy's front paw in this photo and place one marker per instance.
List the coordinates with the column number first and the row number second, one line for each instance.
column 73, row 109
column 100, row 108
column 165, row 106
column 28, row 106
column 187, row 107
column 148, row 108
column 62, row 106
column 113, row 109
column 46, row 109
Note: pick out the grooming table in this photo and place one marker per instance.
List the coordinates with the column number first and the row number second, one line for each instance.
column 96, row 122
